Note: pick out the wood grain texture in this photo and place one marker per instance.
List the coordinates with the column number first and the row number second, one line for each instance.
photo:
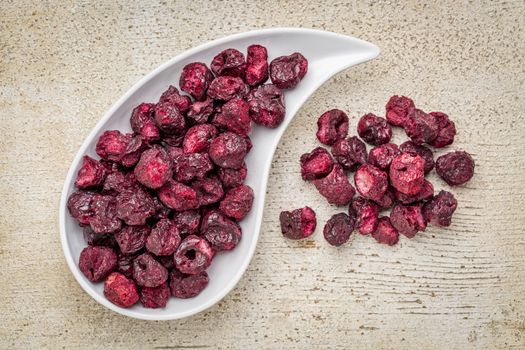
column 64, row 63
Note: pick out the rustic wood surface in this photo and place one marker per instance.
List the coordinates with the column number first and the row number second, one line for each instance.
column 64, row 63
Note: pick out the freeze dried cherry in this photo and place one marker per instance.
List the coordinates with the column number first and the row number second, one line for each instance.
column 335, row 186
column 131, row 239
column 350, row 153
column 332, row 126
column 169, row 119
column 366, row 215
column 80, row 206
column 135, row 206
column 232, row 177
column 407, row 173
column 185, row 286
column 426, row 192
column 371, row 182
column 173, row 97
column 118, row 181
column 164, row 238
column 96, row 239
column 187, row 222
column 256, row 65
column 209, row 190
column 267, row 106
column 200, row 111
column 134, row 149
column 298, row 223
column 338, row 229
column 178, row 196
column 316, row 164
column 91, row 174
column 287, row 71
column 195, row 80
column 125, row 264
column 237, row 202
column 161, row 211
column 221, row 232
column 105, row 218
column 225, row 88
column 229, row 62
column 120, row 290
column 228, row 150
column 385, row 232
column 387, row 200
column 381, row 156
column 143, row 124
column 148, row 272
column 407, row 219
column 174, row 140
column 456, row 168
column 193, row 256
column 97, row 262
column 419, row 150
column 446, row 130
column 438, row 211
column 155, row 297
column 189, row 166
column 397, row 110
column 234, row 116
column 421, row 127
column 112, row 145
column 198, row 138
column 374, row 130
column 154, row 168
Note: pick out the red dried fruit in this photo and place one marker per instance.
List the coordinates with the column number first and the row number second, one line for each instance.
column 397, row 110
column 134, row 149
column 195, row 80
column 200, row 111
column 387, row 200
column 172, row 140
column 189, row 166
column 209, row 190
column 80, row 206
column 169, row 119
column 332, row 126
column 221, row 232
column 446, row 130
column 118, row 181
column 131, row 239
column 237, row 202
column 143, row 124
column 91, row 174
column 95, row 239
column 178, row 196
column 374, row 130
column 256, row 65
column 335, row 186
column 407, row 220
column 198, row 138
column 234, row 116
column 407, row 173
column 187, row 222
column 104, row 218
column 112, row 145
column 381, row 156
column 135, row 206
column 338, row 229
column 456, row 168
column 419, row 150
column 97, row 262
column 120, row 290
column 385, row 232
column 316, row 164
column 125, row 264
column 173, row 152
column 371, row 182
column 193, row 256
column 267, row 106
column 185, row 286
column 155, row 297
column 164, row 238
column 154, row 168
column 228, row 150
column 225, row 88
column 366, row 215
column 426, row 192
column 421, row 127
column 438, row 211
column 229, row 62
column 148, row 272
column 173, row 97
column 287, row 71
column 161, row 211
column 298, row 224
column 232, row 177
column 350, row 153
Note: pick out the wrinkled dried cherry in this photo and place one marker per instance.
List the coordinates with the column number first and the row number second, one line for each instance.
column 397, row 110
column 164, row 238
column 350, row 153
column 228, row 150
column 221, row 232
column 374, row 130
column 120, row 290
column 316, row 164
column 185, row 286
column 148, row 272
column 267, row 106
column 287, row 71
column 237, row 202
column 386, row 233
column 193, row 256
column 97, row 262
column 407, row 219
column 234, row 116
column 338, row 229
column 229, row 62
column 298, row 223
column 195, row 80
column 335, row 186
column 407, row 173
column 332, row 126
column 256, row 65
column 456, row 168
column 438, row 211
column 371, row 182
column 155, row 297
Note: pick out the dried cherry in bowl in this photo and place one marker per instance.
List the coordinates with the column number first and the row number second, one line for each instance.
column 327, row 53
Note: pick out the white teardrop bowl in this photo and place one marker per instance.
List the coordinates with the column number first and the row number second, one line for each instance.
column 327, row 54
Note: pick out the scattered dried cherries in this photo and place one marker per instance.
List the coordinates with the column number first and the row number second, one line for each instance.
column 397, row 110
column 91, row 174
column 350, row 153
column 456, row 168
column 298, row 223
column 97, row 262
column 256, row 65
column 316, row 164
column 374, row 130
column 338, row 229
column 267, row 105
column 121, row 290
column 287, row 71
column 332, row 126
column 335, row 186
